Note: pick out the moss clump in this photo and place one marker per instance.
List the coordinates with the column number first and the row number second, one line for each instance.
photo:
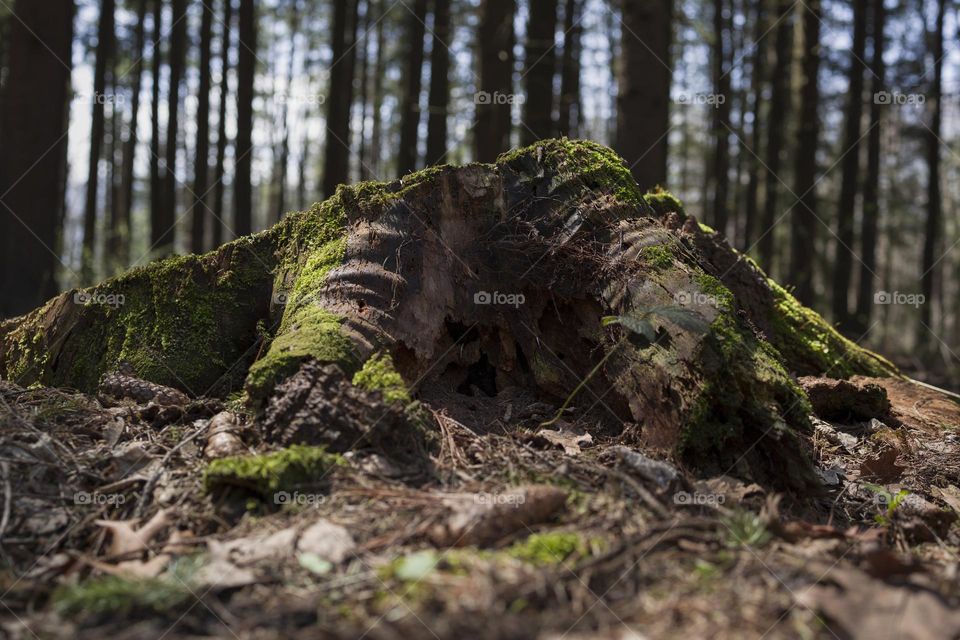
column 543, row 549
column 663, row 202
column 596, row 166
column 657, row 256
column 289, row 469
column 316, row 243
column 118, row 596
column 812, row 346
column 187, row 322
column 747, row 394
column 378, row 373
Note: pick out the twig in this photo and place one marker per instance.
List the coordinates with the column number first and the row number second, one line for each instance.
column 152, row 482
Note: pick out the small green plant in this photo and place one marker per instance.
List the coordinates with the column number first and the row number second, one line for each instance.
column 891, row 501
column 745, row 529
column 640, row 322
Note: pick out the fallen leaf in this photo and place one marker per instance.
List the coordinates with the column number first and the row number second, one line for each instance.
column 326, row 540
column 566, row 439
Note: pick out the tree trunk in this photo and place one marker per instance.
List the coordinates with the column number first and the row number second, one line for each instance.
column 439, row 99
column 931, row 232
column 363, row 152
column 127, row 176
column 568, row 120
column 709, row 396
column 336, row 163
column 803, row 215
column 539, row 70
column 379, row 70
column 246, row 71
column 104, row 54
column 156, row 182
column 219, row 191
column 412, row 80
column 871, row 184
column 33, row 127
column 779, row 106
column 494, row 98
column 165, row 234
column 201, row 163
column 643, row 117
column 758, row 75
column 280, row 207
column 843, row 262
column 720, row 168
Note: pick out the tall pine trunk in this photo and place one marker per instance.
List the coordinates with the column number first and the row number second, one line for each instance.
column 931, row 230
column 439, row 84
column 104, row 54
column 156, row 182
column 779, row 106
column 803, row 213
column 758, row 75
column 379, row 69
column 219, row 191
column 130, row 143
column 643, row 116
column 201, row 163
column 336, row 162
column 165, row 233
column 843, row 262
column 871, row 184
column 246, row 70
column 568, row 119
column 494, row 98
column 720, row 167
column 539, row 70
column 33, row 127
column 412, row 81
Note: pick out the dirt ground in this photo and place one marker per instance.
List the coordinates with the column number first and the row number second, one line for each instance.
column 111, row 528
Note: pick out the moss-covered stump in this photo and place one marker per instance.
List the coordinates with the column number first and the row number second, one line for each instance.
column 464, row 283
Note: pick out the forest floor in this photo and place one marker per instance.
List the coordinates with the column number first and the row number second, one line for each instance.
column 112, row 528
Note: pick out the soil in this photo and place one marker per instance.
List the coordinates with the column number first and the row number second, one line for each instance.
column 580, row 538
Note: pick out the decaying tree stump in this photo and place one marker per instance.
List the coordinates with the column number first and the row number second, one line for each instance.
column 468, row 283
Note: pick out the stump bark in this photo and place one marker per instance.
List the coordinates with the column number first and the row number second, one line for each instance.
column 464, row 286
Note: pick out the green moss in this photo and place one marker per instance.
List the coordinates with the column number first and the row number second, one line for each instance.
column 378, row 373
column 317, row 243
column 657, row 256
column 289, row 469
column 543, row 549
column 119, row 596
column 812, row 346
column 663, row 202
column 597, row 166
column 746, row 391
